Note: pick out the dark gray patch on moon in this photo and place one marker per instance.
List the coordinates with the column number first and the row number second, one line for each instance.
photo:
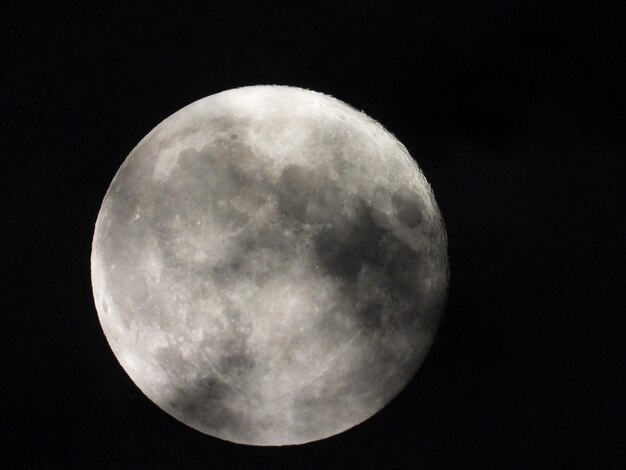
column 344, row 249
column 236, row 365
column 344, row 246
column 203, row 403
column 307, row 195
column 212, row 388
column 370, row 315
column 408, row 207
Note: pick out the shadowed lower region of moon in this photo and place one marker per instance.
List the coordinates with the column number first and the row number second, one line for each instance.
column 269, row 266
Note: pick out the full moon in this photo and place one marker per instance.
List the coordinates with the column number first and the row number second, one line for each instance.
column 269, row 266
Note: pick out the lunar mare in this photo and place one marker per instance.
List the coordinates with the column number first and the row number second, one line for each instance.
column 269, row 266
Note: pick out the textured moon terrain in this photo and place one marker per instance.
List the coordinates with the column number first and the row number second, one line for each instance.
column 269, row 266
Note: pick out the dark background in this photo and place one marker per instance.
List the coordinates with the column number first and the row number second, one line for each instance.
column 515, row 111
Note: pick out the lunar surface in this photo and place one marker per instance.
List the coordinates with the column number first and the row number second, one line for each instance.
column 269, row 266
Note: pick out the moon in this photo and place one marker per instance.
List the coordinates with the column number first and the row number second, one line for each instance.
column 269, row 266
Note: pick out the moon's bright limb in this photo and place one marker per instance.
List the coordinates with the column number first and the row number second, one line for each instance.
column 269, row 266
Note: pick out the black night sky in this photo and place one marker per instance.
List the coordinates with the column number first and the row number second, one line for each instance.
column 514, row 110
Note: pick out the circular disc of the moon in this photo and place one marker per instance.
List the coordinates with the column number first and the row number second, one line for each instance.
column 269, row 266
